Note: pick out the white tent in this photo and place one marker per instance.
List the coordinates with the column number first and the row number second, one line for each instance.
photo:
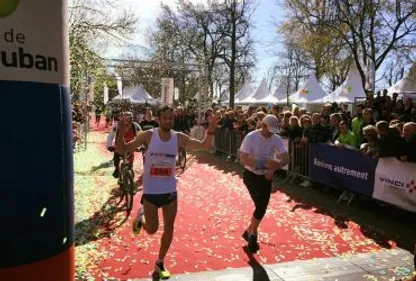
column 245, row 92
column 261, row 92
column 406, row 86
column 278, row 95
column 310, row 93
column 136, row 95
column 351, row 89
column 196, row 97
column 224, row 98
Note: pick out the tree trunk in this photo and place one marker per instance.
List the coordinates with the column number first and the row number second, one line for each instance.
column 233, row 56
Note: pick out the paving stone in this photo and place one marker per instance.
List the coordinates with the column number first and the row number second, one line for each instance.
column 380, row 260
column 313, row 267
column 238, row 274
column 349, row 276
column 392, row 273
column 384, row 265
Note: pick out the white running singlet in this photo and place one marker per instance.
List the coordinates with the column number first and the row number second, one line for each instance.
column 159, row 175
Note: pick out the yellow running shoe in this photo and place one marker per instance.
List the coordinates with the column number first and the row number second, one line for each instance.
column 162, row 271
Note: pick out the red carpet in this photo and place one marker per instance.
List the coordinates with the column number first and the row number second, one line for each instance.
column 214, row 210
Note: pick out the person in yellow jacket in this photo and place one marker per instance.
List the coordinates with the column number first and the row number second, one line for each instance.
column 346, row 138
column 357, row 122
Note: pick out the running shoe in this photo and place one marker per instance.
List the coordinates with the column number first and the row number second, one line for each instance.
column 162, row 271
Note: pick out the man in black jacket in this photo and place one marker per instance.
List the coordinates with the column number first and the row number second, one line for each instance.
column 318, row 132
column 181, row 123
column 334, row 121
column 409, row 134
column 390, row 142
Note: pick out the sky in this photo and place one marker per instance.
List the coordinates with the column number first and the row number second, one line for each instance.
column 264, row 20
column 267, row 14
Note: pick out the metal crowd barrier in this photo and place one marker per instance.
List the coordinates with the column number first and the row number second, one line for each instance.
column 228, row 143
column 299, row 160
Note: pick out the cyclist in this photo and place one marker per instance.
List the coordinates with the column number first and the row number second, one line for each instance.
column 129, row 135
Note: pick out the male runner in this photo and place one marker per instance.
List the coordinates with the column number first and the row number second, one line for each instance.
column 262, row 153
column 129, row 135
column 159, row 180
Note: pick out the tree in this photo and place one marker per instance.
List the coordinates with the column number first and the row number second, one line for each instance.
column 291, row 68
column 396, row 64
column 237, row 47
column 92, row 24
column 189, row 35
column 215, row 36
column 371, row 29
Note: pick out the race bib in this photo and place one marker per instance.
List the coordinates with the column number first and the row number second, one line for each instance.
column 162, row 166
column 157, row 171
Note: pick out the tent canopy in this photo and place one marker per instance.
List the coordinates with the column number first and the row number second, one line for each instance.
column 245, row 92
column 196, row 97
column 136, row 95
column 278, row 95
column 407, row 85
column 224, row 98
column 351, row 89
column 261, row 92
column 310, row 93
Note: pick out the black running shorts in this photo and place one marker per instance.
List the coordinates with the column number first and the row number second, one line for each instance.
column 259, row 188
column 160, row 200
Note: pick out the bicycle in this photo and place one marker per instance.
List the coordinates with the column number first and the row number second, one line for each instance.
column 181, row 160
column 126, row 180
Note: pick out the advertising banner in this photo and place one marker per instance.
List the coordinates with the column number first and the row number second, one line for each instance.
column 36, row 186
column 167, row 91
column 346, row 169
column 395, row 183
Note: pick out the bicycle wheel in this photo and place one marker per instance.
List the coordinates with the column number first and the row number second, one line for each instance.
column 182, row 158
column 128, row 188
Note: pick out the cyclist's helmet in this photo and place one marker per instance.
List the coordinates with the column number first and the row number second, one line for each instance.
column 127, row 115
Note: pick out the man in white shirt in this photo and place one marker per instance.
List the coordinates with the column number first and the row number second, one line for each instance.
column 262, row 153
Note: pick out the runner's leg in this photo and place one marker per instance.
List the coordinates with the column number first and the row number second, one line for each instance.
column 150, row 221
column 169, row 216
column 261, row 200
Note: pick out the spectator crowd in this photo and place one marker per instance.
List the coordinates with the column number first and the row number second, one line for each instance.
column 380, row 127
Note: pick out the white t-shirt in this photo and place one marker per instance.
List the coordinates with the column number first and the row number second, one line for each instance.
column 259, row 148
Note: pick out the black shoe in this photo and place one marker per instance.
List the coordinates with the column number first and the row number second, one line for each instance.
column 245, row 235
column 116, row 174
column 253, row 246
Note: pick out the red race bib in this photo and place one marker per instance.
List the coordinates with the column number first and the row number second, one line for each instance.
column 160, row 171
